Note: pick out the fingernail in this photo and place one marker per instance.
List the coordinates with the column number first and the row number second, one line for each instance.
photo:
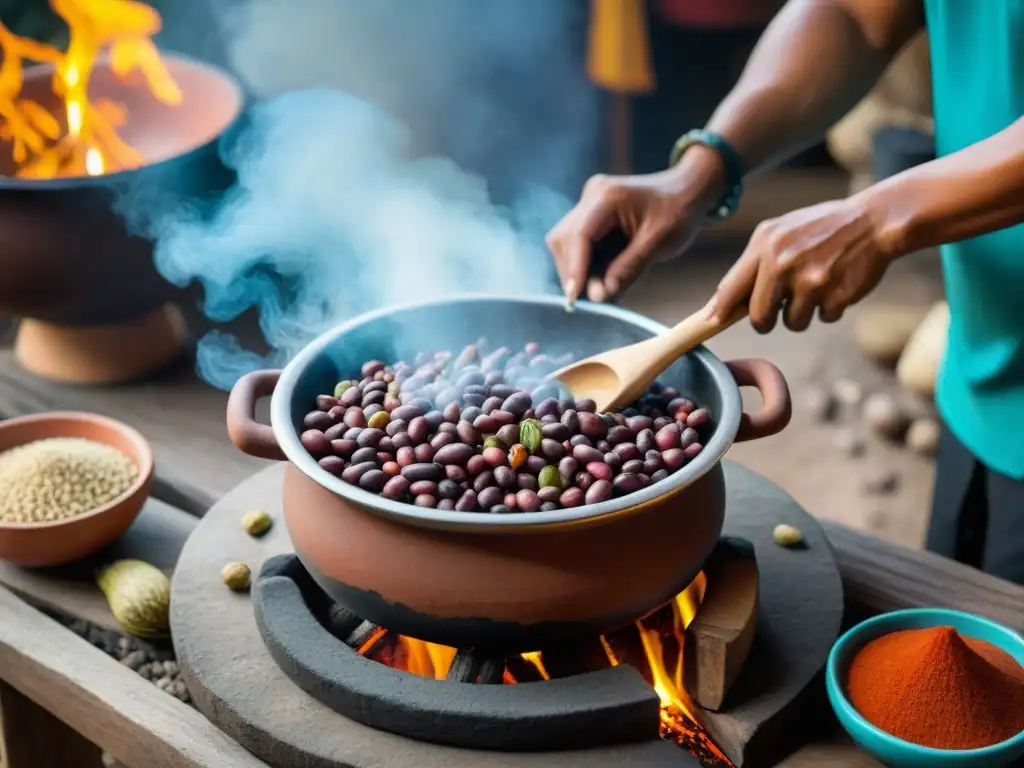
column 570, row 290
column 596, row 291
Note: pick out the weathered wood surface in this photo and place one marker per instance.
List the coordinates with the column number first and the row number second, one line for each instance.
column 104, row 701
column 30, row 737
column 156, row 537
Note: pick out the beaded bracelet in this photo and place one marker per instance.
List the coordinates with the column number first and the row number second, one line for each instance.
column 734, row 171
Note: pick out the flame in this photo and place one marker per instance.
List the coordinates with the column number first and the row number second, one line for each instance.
column 122, row 29
column 679, row 720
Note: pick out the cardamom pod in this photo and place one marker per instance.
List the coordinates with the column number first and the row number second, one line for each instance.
column 530, row 434
column 236, row 576
column 787, row 536
column 341, row 386
column 139, row 596
column 256, row 522
column 550, row 477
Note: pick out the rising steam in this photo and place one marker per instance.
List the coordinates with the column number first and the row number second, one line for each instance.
column 335, row 210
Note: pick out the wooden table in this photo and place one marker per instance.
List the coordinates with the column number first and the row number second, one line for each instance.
column 61, row 699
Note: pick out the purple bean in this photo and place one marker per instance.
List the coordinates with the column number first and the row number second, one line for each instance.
column 556, row 431
column 476, row 465
column 370, row 437
column 456, row 453
column 599, row 470
column 509, row 434
column 552, row 449
column 351, row 396
column 667, row 437
column 491, row 404
column 549, row 493
column 434, row 419
column 396, row 488
column 601, row 490
column 471, row 414
column 344, row 448
column 373, row 398
column 517, row 404
column 486, row 424
column 448, row 489
column 441, row 439
column 467, row 502
column 577, row 440
column 527, row 500
column 353, row 433
column 492, row 378
column 456, row 473
column 626, row 483
column 373, row 481
column 571, row 419
column 425, row 500
column 368, row 453
column 354, row 417
column 627, row 451
column 406, row 413
column 401, row 440
column 504, row 476
column 634, row 466
column 503, row 417
column 584, row 454
column 447, row 505
column 528, row 481
column 317, row 420
column 314, row 441
column 535, row 464
column 660, row 422
column 613, row 460
column 568, row 467
column 586, row 405
column 490, row 496
column 495, row 457
column 370, row 410
column 423, row 471
column 571, row 497
column 547, row 407
column 549, row 506
column 650, row 466
column 423, row 486
column 395, row 426
column 483, row 480
column 418, row 430
column 674, row 458
column 584, row 480
column 689, row 437
column 603, row 446
column 658, row 476
column 374, row 386
column 326, row 402
column 592, row 426
column 645, row 440
column 333, row 464
column 371, row 367
column 692, row 450
column 638, row 423
column 335, row 432
column 354, row 472
column 452, row 413
column 421, row 404
column 471, row 400
column 405, row 456
column 504, row 391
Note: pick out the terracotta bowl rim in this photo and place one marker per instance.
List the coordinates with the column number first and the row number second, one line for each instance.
column 726, row 428
column 172, row 59
column 145, row 463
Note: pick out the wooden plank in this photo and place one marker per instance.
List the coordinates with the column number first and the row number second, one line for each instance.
column 33, row 738
column 180, row 415
column 157, row 537
column 106, row 702
column 884, row 577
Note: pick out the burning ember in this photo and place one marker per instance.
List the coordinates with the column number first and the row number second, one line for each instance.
column 86, row 142
column 654, row 646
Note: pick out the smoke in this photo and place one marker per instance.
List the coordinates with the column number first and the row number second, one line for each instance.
column 337, row 209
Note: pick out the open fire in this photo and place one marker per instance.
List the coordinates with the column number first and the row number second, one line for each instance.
column 654, row 645
column 84, row 140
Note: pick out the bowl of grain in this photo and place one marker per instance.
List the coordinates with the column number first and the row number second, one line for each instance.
column 70, row 483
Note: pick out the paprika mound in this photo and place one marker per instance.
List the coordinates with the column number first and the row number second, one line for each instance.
column 937, row 688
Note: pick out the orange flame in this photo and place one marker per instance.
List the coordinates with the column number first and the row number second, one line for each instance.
column 679, row 719
column 90, row 145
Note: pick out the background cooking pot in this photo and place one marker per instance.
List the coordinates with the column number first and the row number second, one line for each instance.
column 519, row 581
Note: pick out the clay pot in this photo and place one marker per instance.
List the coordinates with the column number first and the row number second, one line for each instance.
column 69, row 259
column 62, row 541
column 517, row 581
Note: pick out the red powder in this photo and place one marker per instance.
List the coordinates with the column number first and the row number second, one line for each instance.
column 937, row 688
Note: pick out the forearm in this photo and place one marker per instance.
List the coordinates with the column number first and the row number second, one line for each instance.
column 972, row 192
column 815, row 61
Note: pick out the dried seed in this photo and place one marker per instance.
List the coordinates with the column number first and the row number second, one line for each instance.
column 256, row 522
column 786, row 535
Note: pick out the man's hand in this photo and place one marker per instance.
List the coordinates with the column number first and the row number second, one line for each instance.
column 823, row 258
column 660, row 213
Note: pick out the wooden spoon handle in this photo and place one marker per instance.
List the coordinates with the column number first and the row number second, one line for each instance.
column 695, row 330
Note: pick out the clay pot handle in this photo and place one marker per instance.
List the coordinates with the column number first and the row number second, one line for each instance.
column 248, row 435
column 777, row 407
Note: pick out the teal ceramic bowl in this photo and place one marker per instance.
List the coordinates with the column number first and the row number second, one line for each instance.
column 897, row 752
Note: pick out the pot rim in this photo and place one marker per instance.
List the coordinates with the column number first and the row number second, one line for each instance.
column 726, row 428
column 170, row 58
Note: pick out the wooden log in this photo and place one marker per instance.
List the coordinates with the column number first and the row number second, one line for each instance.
column 107, row 703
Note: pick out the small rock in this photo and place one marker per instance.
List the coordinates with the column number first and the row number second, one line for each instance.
column 848, row 392
column 179, row 690
column 163, row 683
column 787, row 535
column 850, row 443
column 145, row 672
column 171, row 668
column 135, row 660
column 235, row 576
column 923, row 437
column 125, row 645
column 882, row 485
column 884, row 415
column 156, row 669
column 820, row 404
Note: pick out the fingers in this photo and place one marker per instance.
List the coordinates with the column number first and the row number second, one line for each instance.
column 831, row 309
column 737, row 285
column 571, row 242
column 629, row 264
column 799, row 310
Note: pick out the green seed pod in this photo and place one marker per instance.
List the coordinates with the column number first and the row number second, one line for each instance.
column 394, row 388
column 550, row 477
column 236, row 576
column 256, row 522
column 341, row 386
column 530, row 434
column 139, row 596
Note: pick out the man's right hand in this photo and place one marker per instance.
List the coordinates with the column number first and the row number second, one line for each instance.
column 659, row 213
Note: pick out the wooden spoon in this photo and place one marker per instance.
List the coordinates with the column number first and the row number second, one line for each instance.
column 617, row 378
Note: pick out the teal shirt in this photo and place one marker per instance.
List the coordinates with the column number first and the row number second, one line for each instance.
column 977, row 50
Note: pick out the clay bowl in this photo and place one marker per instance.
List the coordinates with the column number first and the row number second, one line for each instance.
column 62, row 541
column 518, row 581
column 69, row 258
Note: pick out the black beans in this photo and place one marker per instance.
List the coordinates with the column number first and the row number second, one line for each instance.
column 444, row 434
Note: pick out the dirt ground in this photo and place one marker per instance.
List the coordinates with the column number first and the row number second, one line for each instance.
column 805, row 459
